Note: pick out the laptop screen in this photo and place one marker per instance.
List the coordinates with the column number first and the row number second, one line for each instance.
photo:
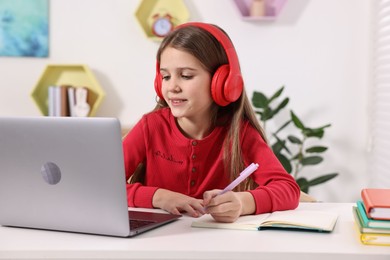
column 63, row 173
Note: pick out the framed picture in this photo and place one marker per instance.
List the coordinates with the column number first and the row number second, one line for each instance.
column 24, row 28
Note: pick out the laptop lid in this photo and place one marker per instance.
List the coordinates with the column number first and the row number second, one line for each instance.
column 63, row 173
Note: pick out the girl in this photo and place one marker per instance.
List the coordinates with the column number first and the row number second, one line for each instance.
column 201, row 135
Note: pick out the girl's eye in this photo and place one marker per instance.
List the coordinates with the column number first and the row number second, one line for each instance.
column 187, row 76
column 166, row 77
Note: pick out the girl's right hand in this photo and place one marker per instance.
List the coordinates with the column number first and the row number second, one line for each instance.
column 175, row 203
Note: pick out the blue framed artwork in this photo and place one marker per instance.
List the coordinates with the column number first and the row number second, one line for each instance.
column 24, row 28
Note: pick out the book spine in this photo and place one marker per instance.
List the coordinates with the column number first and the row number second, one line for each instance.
column 57, row 101
column 369, row 222
column 375, row 239
column 367, row 202
column 51, row 97
column 71, row 100
column 363, row 214
column 64, row 108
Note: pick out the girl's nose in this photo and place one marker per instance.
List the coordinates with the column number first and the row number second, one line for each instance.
column 173, row 85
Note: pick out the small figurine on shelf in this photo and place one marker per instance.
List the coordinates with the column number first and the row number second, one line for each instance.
column 81, row 107
column 257, row 8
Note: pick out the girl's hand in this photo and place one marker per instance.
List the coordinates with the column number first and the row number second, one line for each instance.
column 175, row 203
column 223, row 208
column 229, row 206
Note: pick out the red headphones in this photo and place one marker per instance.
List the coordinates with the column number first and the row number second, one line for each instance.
column 227, row 83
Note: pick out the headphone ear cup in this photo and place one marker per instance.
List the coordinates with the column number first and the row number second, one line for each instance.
column 233, row 87
column 218, row 84
column 157, row 85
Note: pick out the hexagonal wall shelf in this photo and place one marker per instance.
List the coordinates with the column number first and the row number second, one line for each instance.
column 149, row 10
column 271, row 9
column 74, row 75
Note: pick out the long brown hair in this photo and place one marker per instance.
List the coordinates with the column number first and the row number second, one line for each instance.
column 206, row 48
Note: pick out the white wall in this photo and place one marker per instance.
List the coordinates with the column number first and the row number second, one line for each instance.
column 320, row 50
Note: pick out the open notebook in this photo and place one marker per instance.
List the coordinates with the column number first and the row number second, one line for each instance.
column 297, row 219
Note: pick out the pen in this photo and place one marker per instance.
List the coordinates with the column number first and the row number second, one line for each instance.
column 243, row 175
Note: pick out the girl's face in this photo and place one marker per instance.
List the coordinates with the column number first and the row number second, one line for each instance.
column 185, row 85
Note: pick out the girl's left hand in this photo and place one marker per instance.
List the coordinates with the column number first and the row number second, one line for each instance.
column 223, row 208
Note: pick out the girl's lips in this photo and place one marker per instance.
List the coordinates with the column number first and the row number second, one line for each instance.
column 177, row 101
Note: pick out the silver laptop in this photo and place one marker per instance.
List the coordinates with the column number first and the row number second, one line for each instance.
column 67, row 174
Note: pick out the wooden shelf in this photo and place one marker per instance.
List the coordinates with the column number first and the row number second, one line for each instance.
column 75, row 75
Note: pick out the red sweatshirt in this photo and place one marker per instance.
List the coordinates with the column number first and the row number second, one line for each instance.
column 177, row 163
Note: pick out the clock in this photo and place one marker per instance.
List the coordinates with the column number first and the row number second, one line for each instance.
column 162, row 25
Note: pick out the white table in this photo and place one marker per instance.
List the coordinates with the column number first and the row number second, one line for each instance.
column 179, row 240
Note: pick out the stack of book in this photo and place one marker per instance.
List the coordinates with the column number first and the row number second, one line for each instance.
column 372, row 216
column 67, row 100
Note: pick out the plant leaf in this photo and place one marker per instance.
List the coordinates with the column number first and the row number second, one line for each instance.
column 315, row 132
column 283, row 126
column 322, row 179
column 285, row 162
column 259, row 100
column 297, row 122
column 311, row 160
column 276, row 95
column 308, row 132
column 267, row 114
column 323, row 127
column 303, row 184
column 294, row 139
column 282, row 143
column 282, row 105
column 277, row 147
column 316, row 149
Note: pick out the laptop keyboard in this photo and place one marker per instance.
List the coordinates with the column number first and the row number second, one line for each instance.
column 137, row 223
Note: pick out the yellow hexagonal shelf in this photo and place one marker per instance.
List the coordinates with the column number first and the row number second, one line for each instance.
column 149, row 10
column 74, row 75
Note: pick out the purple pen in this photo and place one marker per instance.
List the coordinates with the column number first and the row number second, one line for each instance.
column 243, row 175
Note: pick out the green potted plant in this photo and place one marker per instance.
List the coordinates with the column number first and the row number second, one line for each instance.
column 292, row 149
